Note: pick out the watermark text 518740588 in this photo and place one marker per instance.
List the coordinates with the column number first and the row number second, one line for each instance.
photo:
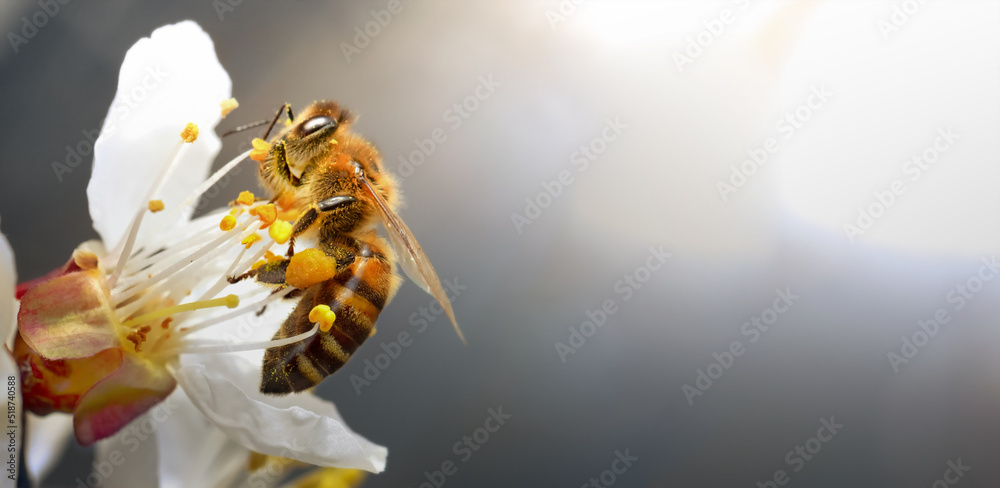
column 13, row 429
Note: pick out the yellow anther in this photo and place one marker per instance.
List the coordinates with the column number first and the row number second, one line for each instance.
column 308, row 267
column 322, row 315
column 85, row 259
column 290, row 215
column 318, row 312
column 260, row 149
column 250, row 240
column 258, row 264
column 246, row 198
column 266, row 213
column 228, row 223
column 286, row 201
column 155, row 205
column 270, row 256
column 190, row 133
column 236, row 212
column 280, row 231
column 228, row 106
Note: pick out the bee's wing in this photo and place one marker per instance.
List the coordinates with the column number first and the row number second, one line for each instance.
column 410, row 255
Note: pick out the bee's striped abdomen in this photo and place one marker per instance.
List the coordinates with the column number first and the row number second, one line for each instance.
column 356, row 296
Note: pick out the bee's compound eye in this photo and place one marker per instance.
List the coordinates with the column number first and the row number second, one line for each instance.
column 316, row 123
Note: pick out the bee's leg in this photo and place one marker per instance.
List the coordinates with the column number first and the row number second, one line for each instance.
column 236, row 279
column 303, row 223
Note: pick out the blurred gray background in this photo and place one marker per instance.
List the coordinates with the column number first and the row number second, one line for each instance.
column 564, row 70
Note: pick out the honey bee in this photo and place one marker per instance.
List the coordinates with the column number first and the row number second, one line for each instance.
column 336, row 180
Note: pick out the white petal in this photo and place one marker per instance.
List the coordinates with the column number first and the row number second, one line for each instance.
column 48, row 437
column 127, row 459
column 8, row 282
column 193, row 452
column 167, row 80
column 300, row 426
column 8, row 368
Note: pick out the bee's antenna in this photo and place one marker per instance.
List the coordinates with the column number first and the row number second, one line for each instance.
column 284, row 108
column 245, row 127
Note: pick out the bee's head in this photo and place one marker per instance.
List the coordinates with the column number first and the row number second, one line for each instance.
column 305, row 141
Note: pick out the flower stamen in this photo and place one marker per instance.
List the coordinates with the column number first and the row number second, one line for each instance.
column 236, row 313
column 212, row 180
column 248, row 346
column 201, row 252
column 133, row 231
column 230, row 301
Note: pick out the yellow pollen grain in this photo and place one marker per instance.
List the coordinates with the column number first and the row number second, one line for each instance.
column 250, row 240
column 228, row 106
column 155, row 205
column 246, row 198
column 280, row 231
column 308, row 267
column 267, row 214
column 228, row 223
column 190, row 133
column 260, row 149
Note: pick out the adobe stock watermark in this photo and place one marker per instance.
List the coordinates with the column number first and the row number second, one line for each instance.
column 786, row 127
column 626, row 287
column 454, row 116
column 902, row 12
column 713, row 29
column 953, row 473
column 801, row 454
column 959, row 296
column 123, row 105
column 466, row 448
column 915, row 167
column 131, row 436
column 223, row 7
column 47, row 9
column 364, row 35
column 76, row 154
column 581, row 160
column 564, row 10
column 391, row 351
column 752, row 329
column 619, row 465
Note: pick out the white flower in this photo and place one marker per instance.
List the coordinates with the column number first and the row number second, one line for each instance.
column 114, row 315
